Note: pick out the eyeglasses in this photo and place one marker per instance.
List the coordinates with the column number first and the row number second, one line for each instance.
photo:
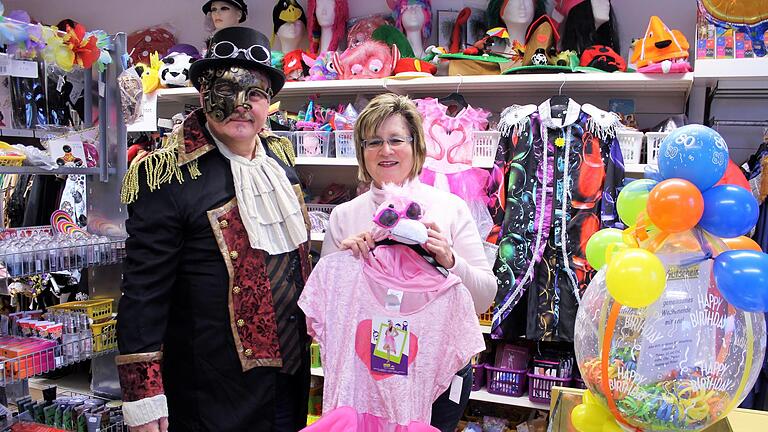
column 226, row 49
column 389, row 216
column 377, row 143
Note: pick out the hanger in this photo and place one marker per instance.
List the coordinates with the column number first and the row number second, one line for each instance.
column 419, row 249
column 455, row 101
column 559, row 104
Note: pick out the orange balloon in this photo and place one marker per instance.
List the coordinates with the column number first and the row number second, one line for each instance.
column 742, row 243
column 675, row 205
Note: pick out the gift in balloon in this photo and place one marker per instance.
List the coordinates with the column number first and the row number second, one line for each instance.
column 680, row 364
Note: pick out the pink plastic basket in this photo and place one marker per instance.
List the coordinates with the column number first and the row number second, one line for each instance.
column 540, row 387
column 478, row 376
column 508, row 382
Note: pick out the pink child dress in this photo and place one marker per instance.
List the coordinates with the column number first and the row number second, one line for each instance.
column 448, row 165
column 340, row 300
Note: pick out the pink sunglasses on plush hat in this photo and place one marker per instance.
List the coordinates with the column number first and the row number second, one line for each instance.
column 389, row 216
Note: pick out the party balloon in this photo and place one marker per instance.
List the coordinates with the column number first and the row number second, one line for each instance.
column 598, row 245
column 651, row 172
column 635, row 277
column 742, row 243
column 675, row 205
column 682, row 363
column 734, row 176
column 729, row 211
column 611, row 426
column 742, row 278
column 588, row 398
column 589, row 418
column 632, row 200
column 695, row 153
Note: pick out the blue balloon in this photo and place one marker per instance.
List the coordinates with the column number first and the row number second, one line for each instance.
column 729, row 211
column 695, row 153
column 742, row 278
column 652, row 173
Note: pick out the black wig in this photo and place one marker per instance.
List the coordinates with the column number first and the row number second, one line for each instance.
column 580, row 33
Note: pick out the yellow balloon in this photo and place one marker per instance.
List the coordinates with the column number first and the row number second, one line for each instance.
column 629, row 237
column 588, row 398
column 611, row 426
column 635, row 277
column 588, row 418
column 613, row 249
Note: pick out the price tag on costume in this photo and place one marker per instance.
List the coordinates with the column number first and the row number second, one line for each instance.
column 24, row 69
column 148, row 120
column 390, row 343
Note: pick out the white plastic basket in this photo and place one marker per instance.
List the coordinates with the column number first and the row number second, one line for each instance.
column 325, row 208
column 631, row 144
column 485, row 144
column 286, row 134
column 652, row 143
column 312, row 143
column 345, row 143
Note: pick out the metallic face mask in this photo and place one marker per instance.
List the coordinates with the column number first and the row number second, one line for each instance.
column 226, row 89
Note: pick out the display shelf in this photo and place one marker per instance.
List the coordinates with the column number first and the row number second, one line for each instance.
column 751, row 72
column 317, row 371
column 49, row 359
column 522, row 401
column 315, row 236
column 70, row 257
column 635, row 168
column 57, row 171
column 616, row 83
column 485, row 329
column 326, row 161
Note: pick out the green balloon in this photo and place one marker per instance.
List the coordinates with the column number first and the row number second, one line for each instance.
column 599, row 244
column 632, row 200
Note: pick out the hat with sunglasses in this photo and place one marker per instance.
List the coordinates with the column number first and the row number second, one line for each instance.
column 240, row 4
column 238, row 46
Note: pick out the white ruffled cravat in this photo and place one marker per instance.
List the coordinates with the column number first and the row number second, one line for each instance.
column 267, row 202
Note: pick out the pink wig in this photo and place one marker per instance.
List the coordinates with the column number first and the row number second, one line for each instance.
column 339, row 25
column 426, row 6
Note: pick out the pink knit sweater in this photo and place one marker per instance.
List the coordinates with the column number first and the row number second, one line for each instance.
column 448, row 211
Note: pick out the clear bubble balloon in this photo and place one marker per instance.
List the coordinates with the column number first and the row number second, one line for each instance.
column 680, row 364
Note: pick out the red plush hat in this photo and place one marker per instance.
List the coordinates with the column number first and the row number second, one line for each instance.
column 413, row 68
column 604, row 58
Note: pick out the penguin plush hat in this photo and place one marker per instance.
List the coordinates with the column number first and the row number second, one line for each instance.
column 287, row 11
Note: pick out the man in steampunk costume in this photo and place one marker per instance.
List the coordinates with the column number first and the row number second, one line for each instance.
column 210, row 336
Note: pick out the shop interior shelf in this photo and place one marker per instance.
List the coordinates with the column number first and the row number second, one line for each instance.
column 326, row 161
column 70, row 257
column 57, row 171
column 626, row 83
column 56, row 357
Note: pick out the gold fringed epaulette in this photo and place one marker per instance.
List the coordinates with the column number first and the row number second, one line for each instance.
column 281, row 147
column 161, row 167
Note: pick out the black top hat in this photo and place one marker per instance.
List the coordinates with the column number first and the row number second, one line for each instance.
column 238, row 46
column 240, row 4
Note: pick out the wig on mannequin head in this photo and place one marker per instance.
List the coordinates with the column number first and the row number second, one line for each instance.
column 339, row 25
column 579, row 32
column 496, row 10
column 426, row 7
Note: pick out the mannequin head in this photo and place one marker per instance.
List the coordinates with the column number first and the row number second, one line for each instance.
column 517, row 12
column 326, row 15
column 289, row 23
column 583, row 28
column 223, row 14
column 507, row 13
column 412, row 15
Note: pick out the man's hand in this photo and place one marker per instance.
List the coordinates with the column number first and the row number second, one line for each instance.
column 155, row 426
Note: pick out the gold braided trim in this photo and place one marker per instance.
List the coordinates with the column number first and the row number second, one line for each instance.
column 161, row 166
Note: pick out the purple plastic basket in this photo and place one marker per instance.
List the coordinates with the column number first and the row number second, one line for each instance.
column 508, row 382
column 540, row 387
column 478, row 376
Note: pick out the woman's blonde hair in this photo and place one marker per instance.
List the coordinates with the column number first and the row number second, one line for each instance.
column 379, row 109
